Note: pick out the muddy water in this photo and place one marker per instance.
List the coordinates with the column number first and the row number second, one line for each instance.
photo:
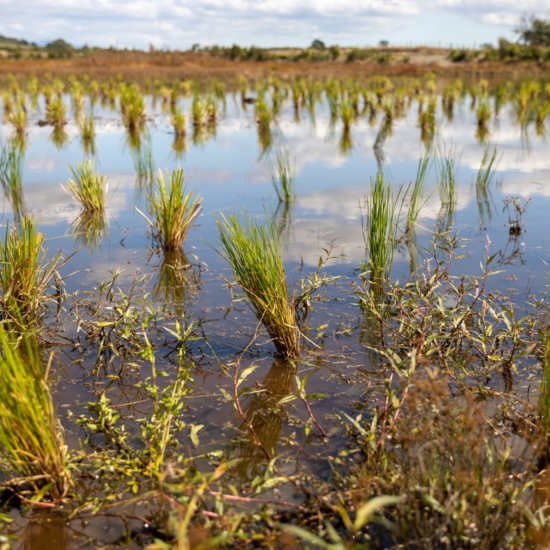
column 227, row 167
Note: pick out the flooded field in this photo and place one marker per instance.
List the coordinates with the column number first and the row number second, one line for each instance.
column 409, row 416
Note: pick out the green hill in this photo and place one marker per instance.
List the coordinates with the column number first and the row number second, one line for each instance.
column 5, row 41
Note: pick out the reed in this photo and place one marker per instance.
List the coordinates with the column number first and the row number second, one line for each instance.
column 87, row 186
column 254, row 253
column 282, row 175
column 174, row 209
column 31, row 438
column 25, row 272
column 382, row 211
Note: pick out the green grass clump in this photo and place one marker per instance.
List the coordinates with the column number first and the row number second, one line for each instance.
column 11, row 175
column 25, row 272
column 87, row 186
column 87, row 133
column 173, row 209
column 282, row 176
column 132, row 108
column 56, row 111
column 254, row 253
column 31, row 438
column 382, row 211
column 179, row 122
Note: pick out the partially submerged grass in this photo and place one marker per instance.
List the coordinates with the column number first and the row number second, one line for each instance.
column 31, row 438
column 484, row 179
column 179, row 122
column 282, row 176
column 87, row 133
column 417, row 200
column 382, row 211
column 87, row 186
column 254, row 252
column 174, row 209
column 25, row 272
column 56, row 111
column 11, row 176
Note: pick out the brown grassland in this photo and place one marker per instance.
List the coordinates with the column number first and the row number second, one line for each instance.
column 137, row 65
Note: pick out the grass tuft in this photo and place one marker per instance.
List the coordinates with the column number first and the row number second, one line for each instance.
column 88, row 187
column 31, row 438
column 282, row 176
column 174, row 209
column 25, row 272
column 254, row 253
column 382, row 211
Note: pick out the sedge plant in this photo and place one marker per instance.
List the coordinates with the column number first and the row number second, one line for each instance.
column 25, row 272
column 31, row 438
column 87, row 186
column 282, row 176
column 174, row 209
column 254, row 252
column 382, row 211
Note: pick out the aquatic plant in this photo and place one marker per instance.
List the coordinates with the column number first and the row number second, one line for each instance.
column 56, row 111
column 132, row 107
column 31, row 438
column 381, row 218
column 179, row 122
column 25, row 272
column 483, row 180
column 282, row 175
column 86, row 126
column 18, row 118
column 174, row 209
column 87, row 186
column 446, row 176
column 254, row 252
column 11, row 175
column 198, row 111
column 416, row 201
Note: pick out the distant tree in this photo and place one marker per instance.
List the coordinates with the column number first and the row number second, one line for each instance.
column 335, row 52
column 59, row 44
column 195, row 47
column 383, row 43
column 534, row 31
column 318, row 44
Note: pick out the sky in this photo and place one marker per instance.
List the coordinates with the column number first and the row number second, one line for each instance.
column 178, row 24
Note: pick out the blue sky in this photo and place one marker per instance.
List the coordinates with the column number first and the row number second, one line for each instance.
column 181, row 23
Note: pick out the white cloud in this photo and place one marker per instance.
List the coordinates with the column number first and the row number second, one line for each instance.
column 177, row 23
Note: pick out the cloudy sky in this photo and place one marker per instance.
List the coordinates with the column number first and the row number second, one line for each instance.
column 181, row 23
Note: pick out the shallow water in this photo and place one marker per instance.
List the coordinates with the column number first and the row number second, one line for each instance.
column 228, row 169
